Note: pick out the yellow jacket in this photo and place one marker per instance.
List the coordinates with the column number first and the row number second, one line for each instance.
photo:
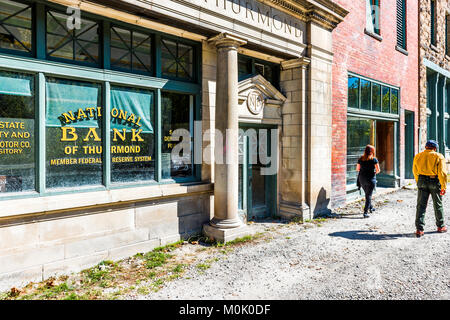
column 430, row 163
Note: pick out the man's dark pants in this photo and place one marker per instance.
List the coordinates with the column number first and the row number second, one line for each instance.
column 426, row 186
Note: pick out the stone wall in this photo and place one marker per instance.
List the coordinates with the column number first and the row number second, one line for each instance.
column 436, row 54
column 45, row 244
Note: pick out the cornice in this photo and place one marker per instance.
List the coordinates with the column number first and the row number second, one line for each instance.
column 323, row 12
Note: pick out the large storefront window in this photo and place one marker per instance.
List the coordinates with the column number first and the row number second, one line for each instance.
column 73, row 134
column 177, row 113
column 132, row 136
column 379, row 133
column 360, row 132
column 17, row 143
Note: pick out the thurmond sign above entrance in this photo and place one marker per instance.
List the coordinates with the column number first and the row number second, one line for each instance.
column 253, row 20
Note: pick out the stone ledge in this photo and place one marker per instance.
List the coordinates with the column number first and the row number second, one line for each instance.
column 85, row 200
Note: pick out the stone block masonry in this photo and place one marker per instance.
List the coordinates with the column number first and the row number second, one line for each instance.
column 40, row 246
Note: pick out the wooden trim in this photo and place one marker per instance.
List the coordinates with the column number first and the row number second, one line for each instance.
column 129, row 18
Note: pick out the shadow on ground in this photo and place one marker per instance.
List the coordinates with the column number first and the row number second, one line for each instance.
column 370, row 235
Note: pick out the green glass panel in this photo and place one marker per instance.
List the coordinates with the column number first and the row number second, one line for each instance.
column 82, row 45
column 86, row 51
column 132, row 144
column 16, row 84
column 359, row 134
column 177, row 59
column 353, row 92
column 365, row 94
column 71, row 103
column 17, row 139
column 73, row 147
column 394, row 101
column 244, row 67
column 120, row 58
column 142, row 52
column 60, row 46
column 15, row 26
column 376, row 97
column 168, row 58
column 386, row 99
column 134, row 105
column 176, row 114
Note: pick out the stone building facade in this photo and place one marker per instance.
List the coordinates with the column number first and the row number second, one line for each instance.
column 369, row 66
column 93, row 94
column 434, row 73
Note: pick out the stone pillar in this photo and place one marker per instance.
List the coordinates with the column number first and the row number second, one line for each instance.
column 319, row 119
column 226, row 225
column 293, row 80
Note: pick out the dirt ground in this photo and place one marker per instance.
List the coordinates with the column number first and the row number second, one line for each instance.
column 340, row 258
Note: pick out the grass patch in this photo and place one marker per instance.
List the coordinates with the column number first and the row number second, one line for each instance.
column 154, row 259
column 203, row 266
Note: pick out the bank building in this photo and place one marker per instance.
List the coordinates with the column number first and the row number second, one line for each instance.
column 92, row 93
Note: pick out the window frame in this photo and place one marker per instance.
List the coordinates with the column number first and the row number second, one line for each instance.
column 433, row 24
column 371, row 110
column 90, row 17
column 195, row 49
column 251, row 64
column 404, row 24
column 132, row 29
column 33, row 33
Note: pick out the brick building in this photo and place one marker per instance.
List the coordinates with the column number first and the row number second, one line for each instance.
column 375, row 95
column 434, row 68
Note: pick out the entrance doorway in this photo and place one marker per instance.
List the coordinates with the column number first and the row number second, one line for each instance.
column 409, row 144
column 257, row 190
column 382, row 134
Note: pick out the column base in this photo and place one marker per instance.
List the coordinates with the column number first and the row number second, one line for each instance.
column 291, row 210
column 226, row 235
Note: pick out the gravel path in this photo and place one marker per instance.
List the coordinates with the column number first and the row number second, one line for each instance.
column 342, row 258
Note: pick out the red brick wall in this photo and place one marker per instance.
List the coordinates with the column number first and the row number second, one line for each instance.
column 355, row 51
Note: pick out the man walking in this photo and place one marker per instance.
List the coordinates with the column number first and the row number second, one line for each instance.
column 430, row 172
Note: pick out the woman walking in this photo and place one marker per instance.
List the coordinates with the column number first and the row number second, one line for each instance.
column 368, row 168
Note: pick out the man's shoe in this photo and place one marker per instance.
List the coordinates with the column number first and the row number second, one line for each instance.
column 442, row 230
column 419, row 233
column 366, row 215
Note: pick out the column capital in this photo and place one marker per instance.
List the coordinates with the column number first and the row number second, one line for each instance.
column 302, row 62
column 226, row 39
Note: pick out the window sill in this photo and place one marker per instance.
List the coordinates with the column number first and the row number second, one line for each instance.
column 434, row 48
column 400, row 49
column 100, row 199
column 373, row 35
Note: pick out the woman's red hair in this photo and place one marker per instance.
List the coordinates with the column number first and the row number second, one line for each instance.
column 369, row 153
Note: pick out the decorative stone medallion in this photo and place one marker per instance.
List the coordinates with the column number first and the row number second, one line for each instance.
column 255, row 102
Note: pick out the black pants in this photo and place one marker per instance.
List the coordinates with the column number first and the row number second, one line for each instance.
column 368, row 186
column 429, row 186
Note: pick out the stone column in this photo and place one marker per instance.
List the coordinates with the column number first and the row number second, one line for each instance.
column 226, row 225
